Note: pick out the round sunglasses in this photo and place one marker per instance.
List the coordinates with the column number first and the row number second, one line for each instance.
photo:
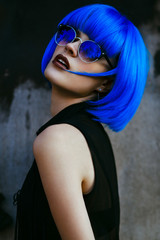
column 89, row 51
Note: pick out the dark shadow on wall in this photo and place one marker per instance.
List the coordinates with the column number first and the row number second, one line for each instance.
column 5, row 218
column 157, row 63
column 27, row 27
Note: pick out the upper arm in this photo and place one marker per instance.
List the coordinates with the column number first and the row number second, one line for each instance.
column 57, row 151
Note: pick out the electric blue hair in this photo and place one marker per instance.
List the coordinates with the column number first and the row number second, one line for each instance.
column 118, row 37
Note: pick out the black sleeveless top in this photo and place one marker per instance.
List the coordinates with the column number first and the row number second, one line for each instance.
column 34, row 219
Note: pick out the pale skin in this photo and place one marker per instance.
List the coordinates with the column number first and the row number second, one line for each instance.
column 61, row 151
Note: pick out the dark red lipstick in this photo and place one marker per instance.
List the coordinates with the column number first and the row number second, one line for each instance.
column 61, row 62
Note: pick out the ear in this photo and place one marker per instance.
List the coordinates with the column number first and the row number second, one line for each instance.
column 105, row 86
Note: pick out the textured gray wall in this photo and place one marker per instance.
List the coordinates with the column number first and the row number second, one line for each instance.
column 136, row 148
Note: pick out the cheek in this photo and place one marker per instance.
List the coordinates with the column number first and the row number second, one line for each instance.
column 84, row 85
column 96, row 67
column 100, row 67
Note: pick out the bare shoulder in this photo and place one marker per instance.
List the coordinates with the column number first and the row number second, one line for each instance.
column 59, row 130
column 56, row 136
column 63, row 143
column 63, row 146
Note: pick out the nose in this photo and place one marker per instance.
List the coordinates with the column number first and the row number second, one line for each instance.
column 72, row 47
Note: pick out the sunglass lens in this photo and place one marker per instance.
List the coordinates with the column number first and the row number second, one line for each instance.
column 64, row 35
column 89, row 51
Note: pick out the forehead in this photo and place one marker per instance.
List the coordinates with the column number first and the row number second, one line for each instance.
column 82, row 35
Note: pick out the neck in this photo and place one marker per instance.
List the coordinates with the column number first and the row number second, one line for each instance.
column 60, row 100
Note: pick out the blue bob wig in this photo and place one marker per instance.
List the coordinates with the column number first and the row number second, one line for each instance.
column 118, row 37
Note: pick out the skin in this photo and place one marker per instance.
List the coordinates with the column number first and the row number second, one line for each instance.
column 67, row 172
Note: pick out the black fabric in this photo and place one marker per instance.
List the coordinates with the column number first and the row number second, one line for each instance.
column 34, row 219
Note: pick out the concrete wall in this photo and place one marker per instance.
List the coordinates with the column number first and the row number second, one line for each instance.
column 136, row 148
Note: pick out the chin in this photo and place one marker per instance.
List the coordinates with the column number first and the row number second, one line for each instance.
column 51, row 74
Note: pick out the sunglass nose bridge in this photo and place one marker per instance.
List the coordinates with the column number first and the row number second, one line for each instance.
column 78, row 39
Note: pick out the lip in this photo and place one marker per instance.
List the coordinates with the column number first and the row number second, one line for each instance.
column 59, row 64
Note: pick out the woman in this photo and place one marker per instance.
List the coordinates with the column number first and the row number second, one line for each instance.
column 97, row 66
